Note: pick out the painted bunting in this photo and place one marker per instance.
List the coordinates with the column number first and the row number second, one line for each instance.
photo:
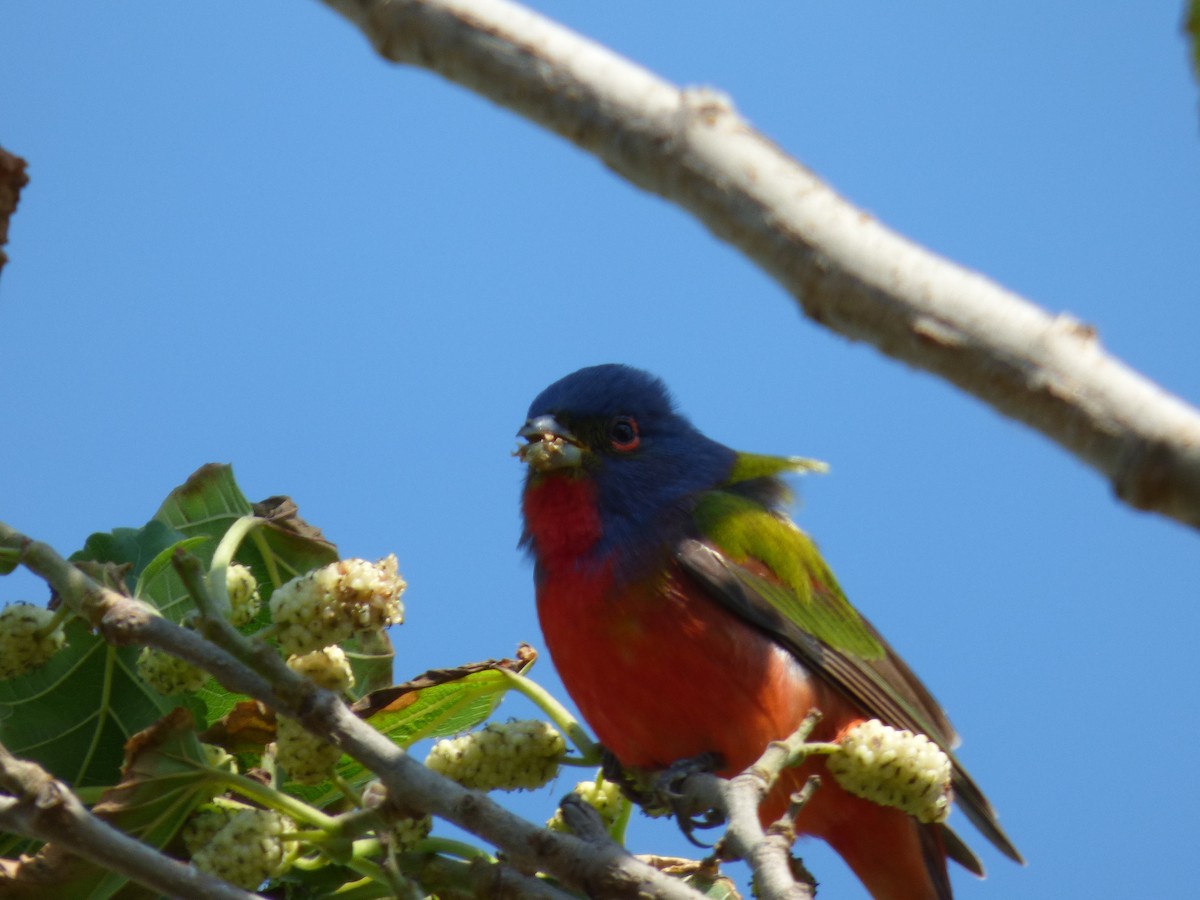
column 687, row 615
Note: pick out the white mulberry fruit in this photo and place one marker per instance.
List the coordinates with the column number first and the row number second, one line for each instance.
column 25, row 642
column 511, row 756
column 336, row 602
column 249, row 849
column 406, row 833
column 168, row 674
column 328, row 668
column 203, row 825
column 307, row 758
column 894, row 768
column 244, row 599
column 604, row 796
column 402, row 831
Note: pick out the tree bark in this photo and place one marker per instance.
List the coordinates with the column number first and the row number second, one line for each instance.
column 845, row 269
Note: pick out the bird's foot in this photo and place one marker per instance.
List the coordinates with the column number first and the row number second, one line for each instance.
column 660, row 793
column 636, row 784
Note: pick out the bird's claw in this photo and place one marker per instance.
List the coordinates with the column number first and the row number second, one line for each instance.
column 660, row 793
column 669, row 791
column 632, row 782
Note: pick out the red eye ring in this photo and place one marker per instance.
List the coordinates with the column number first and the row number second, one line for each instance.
column 623, row 434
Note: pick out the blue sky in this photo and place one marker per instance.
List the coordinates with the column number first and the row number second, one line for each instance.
column 249, row 240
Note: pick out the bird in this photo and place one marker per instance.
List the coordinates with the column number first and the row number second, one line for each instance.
column 688, row 617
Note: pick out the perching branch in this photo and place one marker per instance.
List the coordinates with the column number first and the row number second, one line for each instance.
column 848, row 271
column 768, row 852
column 258, row 671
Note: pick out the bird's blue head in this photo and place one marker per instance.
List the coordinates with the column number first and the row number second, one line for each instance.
column 618, row 427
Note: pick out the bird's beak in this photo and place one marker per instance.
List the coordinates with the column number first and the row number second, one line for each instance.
column 550, row 445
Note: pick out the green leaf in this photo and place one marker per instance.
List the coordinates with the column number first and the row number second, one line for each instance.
column 74, row 714
column 442, row 709
column 148, row 551
column 159, row 584
column 328, row 881
column 441, row 701
column 371, row 658
column 10, row 557
column 719, row 887
column 139, row 547
column 163, row 779
column 438, row 703
column 203, row 508
column 210, row 501
column 207, row 503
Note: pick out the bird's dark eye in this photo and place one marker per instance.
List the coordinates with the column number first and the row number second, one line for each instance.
column 623, row 433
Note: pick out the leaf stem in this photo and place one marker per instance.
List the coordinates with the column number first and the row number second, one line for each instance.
column 449, row 847
column 558, row 714
column 347, row 790
column 621, row 824
column 275, row 799
column 268, row 556
column 218, row 570
column 61, row 614
column 581, row 762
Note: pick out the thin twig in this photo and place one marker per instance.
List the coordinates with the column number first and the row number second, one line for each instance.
column 766, row 851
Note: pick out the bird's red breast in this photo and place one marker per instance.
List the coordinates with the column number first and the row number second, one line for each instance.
column 662, row 673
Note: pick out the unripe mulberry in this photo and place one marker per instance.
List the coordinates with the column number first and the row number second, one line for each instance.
column 403, row 831
column 203, row 824
column 306, row 757
column 894, row 768
column 244, row 600
column 25, row 642
column 336, row 602
column 328, row 668
column 248, row 850
column 168, row 674
column 604, row 796
column 406, row 833
column 510, row 756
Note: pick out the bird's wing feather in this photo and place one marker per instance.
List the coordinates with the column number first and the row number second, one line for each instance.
column 799, row 587
column 839, row 647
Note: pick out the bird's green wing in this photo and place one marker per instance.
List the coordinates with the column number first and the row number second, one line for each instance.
column 760, row 566
column 751, row 466
column 793, row 578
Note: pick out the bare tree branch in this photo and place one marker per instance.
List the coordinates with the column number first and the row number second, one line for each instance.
column 256, row 669
column 12, row 179
column 848, row 271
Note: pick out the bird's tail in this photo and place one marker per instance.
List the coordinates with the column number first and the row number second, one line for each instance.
column 894, row 856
